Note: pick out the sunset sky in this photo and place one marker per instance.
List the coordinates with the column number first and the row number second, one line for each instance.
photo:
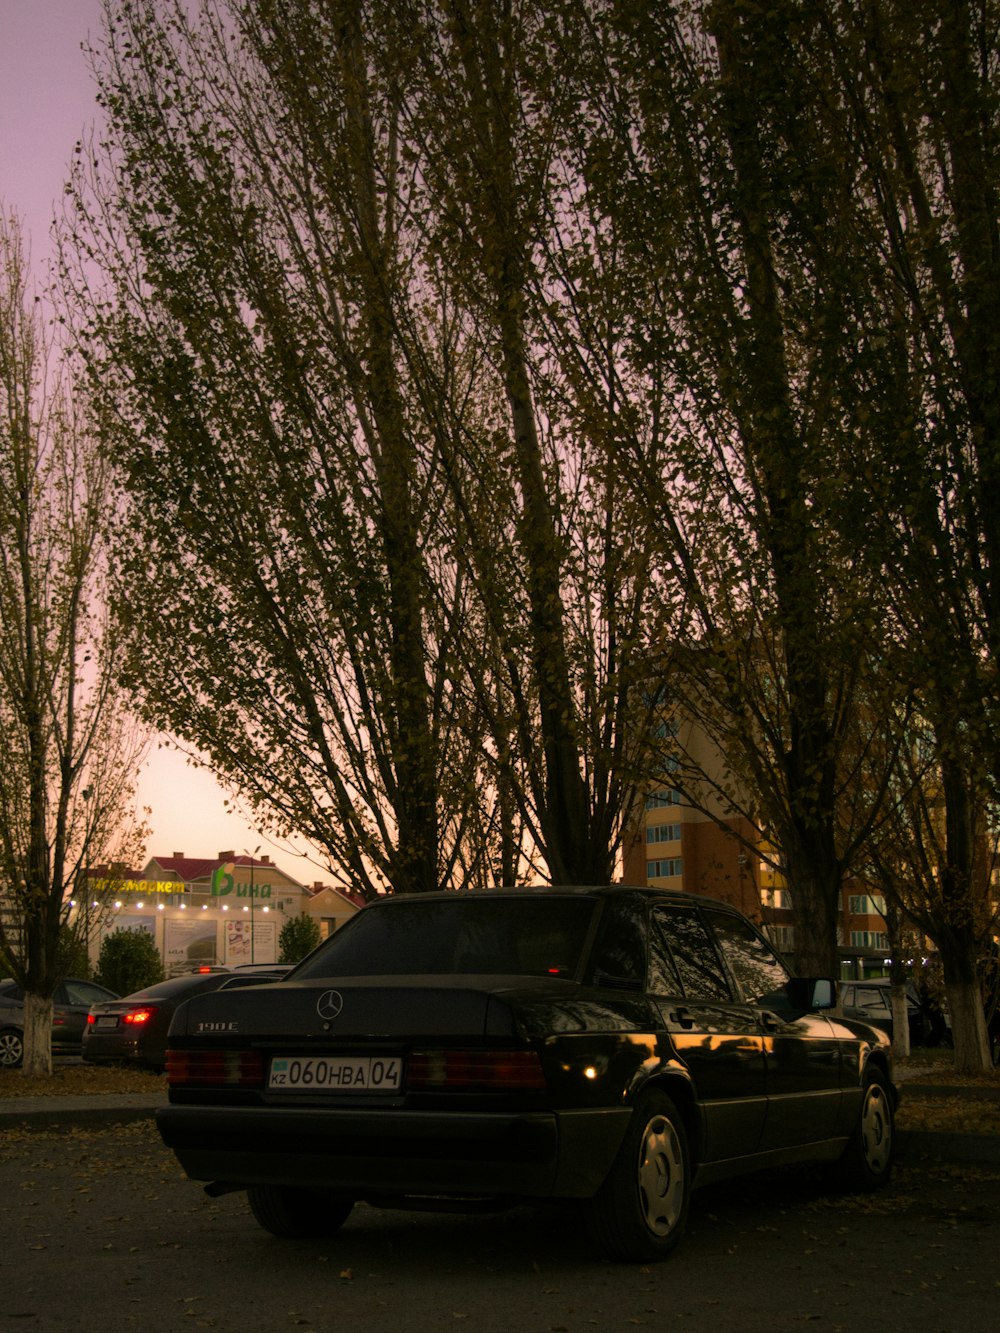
column 46, row 104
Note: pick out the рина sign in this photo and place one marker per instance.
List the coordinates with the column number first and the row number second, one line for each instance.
column 223, row 883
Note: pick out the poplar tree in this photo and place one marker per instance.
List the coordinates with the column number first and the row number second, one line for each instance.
column 71, row 751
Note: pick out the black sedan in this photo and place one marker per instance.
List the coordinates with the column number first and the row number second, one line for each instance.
column 70, row 1003
column 609, row 1046
column 133, row 1030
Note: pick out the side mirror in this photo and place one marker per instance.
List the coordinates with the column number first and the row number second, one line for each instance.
column 824, row 994
column 812, row 992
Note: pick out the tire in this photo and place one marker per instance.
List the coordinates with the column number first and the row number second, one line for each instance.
column 294, row 1213
column 640, row 1212
column 11, row 1048
column 867, row 1160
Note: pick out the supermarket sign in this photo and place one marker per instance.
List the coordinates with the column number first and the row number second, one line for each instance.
column 224, row 884
column 144, row 886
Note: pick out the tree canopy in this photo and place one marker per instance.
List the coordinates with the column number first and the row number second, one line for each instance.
column 491, row 385
column 71, row 748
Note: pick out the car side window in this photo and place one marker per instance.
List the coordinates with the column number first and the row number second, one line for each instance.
column 82, row 992
column 873, row 997
column 758, row 971
column 664, row 978
column 695, row 957
column 619, row 956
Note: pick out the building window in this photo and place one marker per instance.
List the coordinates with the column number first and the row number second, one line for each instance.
column 782, row 937
column 780, row 898
column 665, row 869
column 863, row 904
column 663, row 833
column 869, row 939
column 656, row 800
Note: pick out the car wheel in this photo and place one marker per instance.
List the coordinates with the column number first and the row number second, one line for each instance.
column 640, row 1212
column 289, row 1212
column 867, row 1160
column 11, row 1048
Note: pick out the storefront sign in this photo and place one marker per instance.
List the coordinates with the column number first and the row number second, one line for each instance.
column 143, row 886
column 224, row 883
column 188, row 940
column 251, row 942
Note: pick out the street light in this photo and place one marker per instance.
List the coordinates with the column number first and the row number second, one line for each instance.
column 251, row 856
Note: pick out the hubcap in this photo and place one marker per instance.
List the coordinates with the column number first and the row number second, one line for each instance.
column 10, row 1049
column 661, row 1176
column 876, row 1129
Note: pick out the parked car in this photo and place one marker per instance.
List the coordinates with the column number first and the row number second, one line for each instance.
column 871, row 1000
column 611, row 1046
column 70, row 1003
column 133, row 1030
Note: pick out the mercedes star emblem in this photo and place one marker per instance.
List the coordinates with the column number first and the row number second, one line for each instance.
column 330, row 1004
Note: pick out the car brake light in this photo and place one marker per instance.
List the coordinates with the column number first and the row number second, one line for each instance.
column 137, row 1017
column 476, row 1071
column 229, row 1068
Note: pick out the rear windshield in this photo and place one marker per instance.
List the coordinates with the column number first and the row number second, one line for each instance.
column 166, row 990
column 458, row 936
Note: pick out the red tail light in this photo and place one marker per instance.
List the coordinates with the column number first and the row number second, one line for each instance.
column 133, row 1017
column 138, row 1017
column 241, row 1069
column 476, row 1071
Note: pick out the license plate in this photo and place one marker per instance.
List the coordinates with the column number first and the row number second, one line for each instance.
column 106, row 1021
column 336, row 1073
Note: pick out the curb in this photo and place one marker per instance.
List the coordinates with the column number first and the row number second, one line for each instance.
column 924, row 1147
column 76, row 1112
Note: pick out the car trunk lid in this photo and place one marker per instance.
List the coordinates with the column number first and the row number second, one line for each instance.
column 362, row 1009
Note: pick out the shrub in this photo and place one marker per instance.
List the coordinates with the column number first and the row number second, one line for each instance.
column 299, row 936
column 129, row 961
column 73, row 960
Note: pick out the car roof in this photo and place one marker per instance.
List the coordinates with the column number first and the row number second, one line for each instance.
column 555, row 891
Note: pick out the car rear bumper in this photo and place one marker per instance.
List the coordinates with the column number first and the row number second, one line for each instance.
column 366, row 1154
column 96, row 1051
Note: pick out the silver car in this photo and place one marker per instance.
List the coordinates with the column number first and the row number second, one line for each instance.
column 70, row 1006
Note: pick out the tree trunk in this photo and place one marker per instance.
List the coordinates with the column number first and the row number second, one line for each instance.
column 959, row 937
column 968, row 1026
column 37, row 1036
column 900, row 1022
column 815, row 911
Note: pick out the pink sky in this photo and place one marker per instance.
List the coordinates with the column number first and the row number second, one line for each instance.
column 46, row 100
column 46, row 104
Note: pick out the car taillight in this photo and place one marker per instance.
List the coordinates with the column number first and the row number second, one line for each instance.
column 475, row 1071
column 136, row 1017
column 240, row 1069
